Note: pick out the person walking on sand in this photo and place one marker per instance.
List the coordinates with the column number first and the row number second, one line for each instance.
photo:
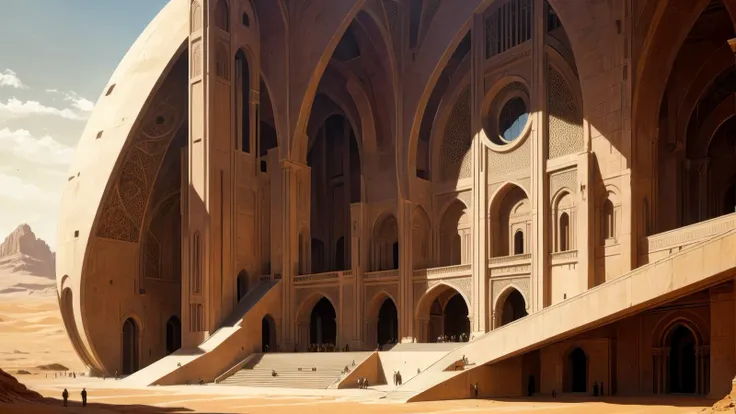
column 65, row 396
column 84, row 397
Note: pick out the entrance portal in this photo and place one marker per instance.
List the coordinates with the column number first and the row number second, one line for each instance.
column 268, row 334
column 456, row 317
column 682, row 361
column 173, row 335
column 513, row 307
column 130, row 346
column 577, row 371
column 322, row 323
column 388, row 323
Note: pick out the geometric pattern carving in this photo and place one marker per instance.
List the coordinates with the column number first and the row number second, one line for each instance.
column 462, row 285
column 222, row 61
column 455, row 154
column 565, row 117
column 372, row 290
column 196, row 59
column 521, row 283
column 331, row 292
column 125, row 204
column 196, row 19
column 392, row 15
column 565, row 179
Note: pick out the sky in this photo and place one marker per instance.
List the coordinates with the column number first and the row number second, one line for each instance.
column 56, row 56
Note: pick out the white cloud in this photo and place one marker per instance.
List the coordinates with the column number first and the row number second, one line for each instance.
column 15, row 189
column 78, row 102
column 44, row 150
column 10, row 78
column 15, row 108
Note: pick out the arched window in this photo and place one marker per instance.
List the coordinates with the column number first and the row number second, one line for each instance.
column 564, row 232
column 242, row 101
column 519, row 242
column 222, row 16
column 609, row 223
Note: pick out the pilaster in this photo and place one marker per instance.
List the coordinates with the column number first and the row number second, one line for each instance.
column 539, row 182
column 479, row 301
column 210, row 169
column 406, row 273
column 357, row 264
column 294, row 207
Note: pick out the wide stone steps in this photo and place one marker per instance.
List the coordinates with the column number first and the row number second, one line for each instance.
column 295, row 370
column 646, row 287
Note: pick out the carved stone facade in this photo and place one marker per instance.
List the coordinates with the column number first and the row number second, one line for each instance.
column 363, row 173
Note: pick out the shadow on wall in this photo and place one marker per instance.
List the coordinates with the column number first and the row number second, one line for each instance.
column 56, row 406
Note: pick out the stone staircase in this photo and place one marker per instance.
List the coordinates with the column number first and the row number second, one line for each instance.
column 295, row 370
column 645, row 287
column 158, row 372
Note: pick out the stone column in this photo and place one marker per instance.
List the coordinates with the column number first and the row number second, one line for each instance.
column 294, row 215
column 479, row 250
column 539, row 181
column 357, row 264
column 406, row 273
column 209, row 201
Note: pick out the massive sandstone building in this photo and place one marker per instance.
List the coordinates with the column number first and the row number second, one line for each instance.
column 288, row 172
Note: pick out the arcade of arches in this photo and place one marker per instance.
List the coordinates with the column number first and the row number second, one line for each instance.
column 430, row 171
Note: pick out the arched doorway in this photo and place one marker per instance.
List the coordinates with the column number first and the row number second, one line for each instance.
column 576, row 371
column 322, row 323
column 130, row 352
column 268, row 334
column 388, row 323
column 442, row 313
column 173, row 334
column 457, row 323
column 242, row 284
column 513, row 307
column 682, row 361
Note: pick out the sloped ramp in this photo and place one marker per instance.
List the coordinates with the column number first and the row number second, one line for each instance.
column 692, row 269
column 178, row 367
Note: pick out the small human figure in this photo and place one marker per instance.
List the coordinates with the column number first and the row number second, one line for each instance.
column 595, row 388
column 103, row 377
column 353, row 362
column 475, row 390
column 398, row 377
column 396, row 381
column 65, row 396
column 359, row 382
column 347, row 348
column 273, row 372
column 116, row 375
column 365, row 383
column 84, row 397
column 201, row 381
column 530, row 386
column 418, row 371
column 554, row 394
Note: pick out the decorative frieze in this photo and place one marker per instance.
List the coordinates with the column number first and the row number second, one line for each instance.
column 381, row 274
column 444, row 271
column 689, row 234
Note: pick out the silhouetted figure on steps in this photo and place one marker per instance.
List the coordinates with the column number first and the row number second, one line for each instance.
column 273, row 372
column 65, row 396
column 84, row 397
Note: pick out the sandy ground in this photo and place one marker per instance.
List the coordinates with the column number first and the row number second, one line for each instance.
column 32, row 334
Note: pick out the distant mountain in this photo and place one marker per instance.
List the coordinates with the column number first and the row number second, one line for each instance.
column 23, row 252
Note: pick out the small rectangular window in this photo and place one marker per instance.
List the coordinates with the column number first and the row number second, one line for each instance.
column 76, row 233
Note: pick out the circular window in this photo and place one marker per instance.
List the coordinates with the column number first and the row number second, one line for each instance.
column 512, row 119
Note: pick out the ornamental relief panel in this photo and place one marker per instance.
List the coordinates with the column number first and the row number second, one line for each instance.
column 565, row 179
column 331, row 292
column 372, row 290
column 565, row 117
column 462, row 285
column 455, row 156
column 521, row 283
column 125, row 204
column 511, row 165
column 443, row 200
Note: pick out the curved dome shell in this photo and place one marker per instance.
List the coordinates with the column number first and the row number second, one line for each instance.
column 92, row 293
